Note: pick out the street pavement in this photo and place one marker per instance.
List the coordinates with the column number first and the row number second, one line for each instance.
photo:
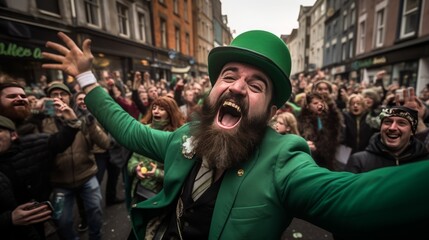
column 302, row 230
column 116, row 222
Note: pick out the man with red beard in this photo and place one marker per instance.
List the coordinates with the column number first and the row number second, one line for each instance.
column 260, row 179
column 14, row 105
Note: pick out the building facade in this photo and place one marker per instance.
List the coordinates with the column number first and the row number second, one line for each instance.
column 163, row 37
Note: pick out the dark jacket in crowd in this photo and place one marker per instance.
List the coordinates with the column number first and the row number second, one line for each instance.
column 376, row 156
column 24, row 177
column 357, row 132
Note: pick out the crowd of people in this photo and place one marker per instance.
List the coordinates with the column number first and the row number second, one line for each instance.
column 338, row 117
column 165, row 136
column 75, row 170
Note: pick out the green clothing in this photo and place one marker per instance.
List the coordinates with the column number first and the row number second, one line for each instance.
column 259, row 199
column 154, row 183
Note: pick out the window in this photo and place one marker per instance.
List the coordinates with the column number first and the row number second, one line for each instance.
column 123, row 19
column 177, row 38
column 188, row 44
column 410, row 18
column 163, row 33
column 176, row 6
column 345, row 21
column 92, row 12
column 328, row 53
column 352, row 15
column 334, row 52
column 351, row 48
column 142, row 26
column 334, row 27
column 49, row 6
column 185, row 10
column 344, row 51
column 362, row 36
column 380, row 24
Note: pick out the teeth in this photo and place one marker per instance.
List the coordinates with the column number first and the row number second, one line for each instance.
column 233, row 105
column 392, row 135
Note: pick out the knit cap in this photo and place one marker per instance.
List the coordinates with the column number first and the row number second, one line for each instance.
column 400, row 111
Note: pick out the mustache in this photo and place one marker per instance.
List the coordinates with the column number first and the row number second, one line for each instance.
column 20, row 103
column 237, row 99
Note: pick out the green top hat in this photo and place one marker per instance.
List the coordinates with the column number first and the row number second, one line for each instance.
column 261, row 49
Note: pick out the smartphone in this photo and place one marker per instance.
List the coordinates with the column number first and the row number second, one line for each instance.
column 38, row 204
column 49, row 107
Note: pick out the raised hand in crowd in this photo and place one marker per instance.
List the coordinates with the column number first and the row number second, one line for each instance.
column 413, row 102
column 71, row 59
column 137, row 80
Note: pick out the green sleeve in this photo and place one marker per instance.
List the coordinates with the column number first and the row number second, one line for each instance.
column 129, row 132
column 344, row 202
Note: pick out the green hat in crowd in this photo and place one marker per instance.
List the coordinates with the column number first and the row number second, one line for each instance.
column 261, row 49
column 7, row 123
column 58, row 85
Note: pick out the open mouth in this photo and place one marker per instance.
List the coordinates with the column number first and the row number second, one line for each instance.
column 229, row 115
column 392, row 136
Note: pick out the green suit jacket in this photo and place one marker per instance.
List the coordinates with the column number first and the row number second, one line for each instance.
column 258, row 199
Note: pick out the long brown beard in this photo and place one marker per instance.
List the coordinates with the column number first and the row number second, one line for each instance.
column 225, row 149
column 17, row 116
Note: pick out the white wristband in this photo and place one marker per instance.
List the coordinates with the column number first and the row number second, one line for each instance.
column 86, row 78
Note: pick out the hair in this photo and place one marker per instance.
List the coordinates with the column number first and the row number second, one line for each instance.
column 373, row 94
column 9, row 84
column 291, row 121
column 356, row 95
column 322, row 81
column 309, row 97
column 170, row 105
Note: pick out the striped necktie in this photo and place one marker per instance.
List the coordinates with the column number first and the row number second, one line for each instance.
column 203, row 180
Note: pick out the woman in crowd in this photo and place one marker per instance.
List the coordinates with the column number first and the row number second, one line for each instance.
column 146, row 175
column 320, row 124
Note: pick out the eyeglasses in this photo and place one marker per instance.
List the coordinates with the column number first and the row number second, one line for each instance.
column 58, row 94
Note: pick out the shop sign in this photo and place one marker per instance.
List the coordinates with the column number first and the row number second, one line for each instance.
column 338, row 69
column 10, row 49
column 369, row 62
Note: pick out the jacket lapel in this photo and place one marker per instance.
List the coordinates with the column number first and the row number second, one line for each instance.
column 226, row 197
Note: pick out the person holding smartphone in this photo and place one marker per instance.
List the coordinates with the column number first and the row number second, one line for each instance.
column 24, row 175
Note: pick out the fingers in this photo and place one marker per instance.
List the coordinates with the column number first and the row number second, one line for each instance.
column 397, row 102
column 86, row 47
column 57, row 47
column 68, row 41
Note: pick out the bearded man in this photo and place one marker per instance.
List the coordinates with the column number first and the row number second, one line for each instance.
column 230, row 176
column 15, row 105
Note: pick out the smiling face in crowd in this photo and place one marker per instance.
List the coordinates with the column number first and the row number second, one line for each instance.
column 395, row 133
column 14, row 103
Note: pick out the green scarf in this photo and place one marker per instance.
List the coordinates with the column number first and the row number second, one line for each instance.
column 159, row 124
